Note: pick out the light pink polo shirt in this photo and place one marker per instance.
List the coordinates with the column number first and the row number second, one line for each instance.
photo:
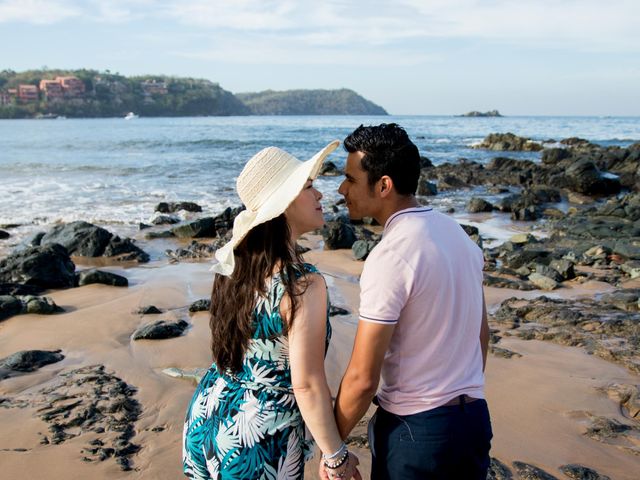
column 425, row 276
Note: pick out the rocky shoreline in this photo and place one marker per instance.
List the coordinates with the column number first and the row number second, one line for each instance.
column 584, row 198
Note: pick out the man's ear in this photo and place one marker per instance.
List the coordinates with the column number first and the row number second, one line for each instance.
column 385, row 185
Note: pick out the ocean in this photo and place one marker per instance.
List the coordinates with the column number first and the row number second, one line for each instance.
column 113, row 172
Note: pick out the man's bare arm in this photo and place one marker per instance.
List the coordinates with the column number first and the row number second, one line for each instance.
column 484, row 334
column 360, row 381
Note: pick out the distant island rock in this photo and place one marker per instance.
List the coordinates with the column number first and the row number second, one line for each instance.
column 309, row 102
column 474, row 113
column 49, row 93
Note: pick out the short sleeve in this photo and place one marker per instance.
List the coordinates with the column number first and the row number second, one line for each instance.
column 385, row 286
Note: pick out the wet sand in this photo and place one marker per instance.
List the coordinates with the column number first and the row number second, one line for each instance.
column 539, row 402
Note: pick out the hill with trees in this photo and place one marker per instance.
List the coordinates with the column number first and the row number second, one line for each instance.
column 91, row 93
column 309, row 102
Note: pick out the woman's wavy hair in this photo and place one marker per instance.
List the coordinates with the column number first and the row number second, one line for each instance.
column 265, row 250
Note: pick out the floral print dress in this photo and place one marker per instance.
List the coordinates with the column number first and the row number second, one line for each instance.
column 247, row 425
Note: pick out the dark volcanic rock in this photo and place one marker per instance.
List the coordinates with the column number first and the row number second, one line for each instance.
column 87, row 240
column 526, row 471
column 39, row 305
column 426, row 188
column 498, row 470
column 329, row 169
column 160, row 330
column 338, row 234
column 586, row 178
column 19, row 289
column 4, row 235
column 9, row 306
column 508, row 142
column 46, row 266
column 599, row 327
column 204, row 227
column 27, row 361
column 91, row 404
column 202, row 305
column 165, row 220
column 149, row 310
column 172, row 207
column 578, row 472
column 476, row 205
column 195, row 250
column 88, row 277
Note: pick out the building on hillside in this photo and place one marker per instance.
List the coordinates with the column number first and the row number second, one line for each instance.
column 5, row 98
column 51, row 89
column 28, row 93
column 71, row 86
column 152, row 87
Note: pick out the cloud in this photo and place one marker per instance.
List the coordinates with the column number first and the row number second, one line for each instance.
column 39, row 12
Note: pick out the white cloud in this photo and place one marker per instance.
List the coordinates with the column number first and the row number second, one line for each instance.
column 39, row 12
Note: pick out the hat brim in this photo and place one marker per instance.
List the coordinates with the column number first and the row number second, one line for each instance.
column 273, row 207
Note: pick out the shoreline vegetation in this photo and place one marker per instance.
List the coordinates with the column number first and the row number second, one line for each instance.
column 50, row 93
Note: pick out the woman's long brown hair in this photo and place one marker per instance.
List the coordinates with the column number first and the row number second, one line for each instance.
column 266, row 249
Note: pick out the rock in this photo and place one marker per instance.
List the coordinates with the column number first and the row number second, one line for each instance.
column 338, row 234
column 564, row 267
column 426, row 188
column 628, row 396
column 552, row 156
column 578, row 472
column 362, row 248
column 40, row 305
column 476, row 205
column 195, row 250
column 333, row 311
column 503, row 352
column 498, row 470
column 526, row 471
column 87, row 240
column 474, row 113
column 148, row 310
column 508, row 142
column 585, row 177
column 523, row 238
column 165, row 220
column 143, row 226
column 604, row 429
column 425, row 162
column 160, row 330
column 19, row 289
column 28, row 361
column 4, row 235
column 88, row 277
column 204, row 227
column 329, row 169
column 224, row 221
column 202, row 305
column 9, row 306
column 155, row 235
column 548, row 272
column 46, row 266
column 500, row 282
column 626, row 299
column 451, row 182
column 172, row 207
column 631, row 268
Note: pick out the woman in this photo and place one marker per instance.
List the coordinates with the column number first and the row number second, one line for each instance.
column 270, row 330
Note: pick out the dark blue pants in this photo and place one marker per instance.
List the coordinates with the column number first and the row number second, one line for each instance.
column 446, row 443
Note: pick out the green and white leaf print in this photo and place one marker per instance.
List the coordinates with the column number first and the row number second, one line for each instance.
column 247, row 425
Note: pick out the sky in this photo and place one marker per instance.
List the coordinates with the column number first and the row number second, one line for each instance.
column 412, row 57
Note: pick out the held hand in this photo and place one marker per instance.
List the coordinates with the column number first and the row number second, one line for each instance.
column 345, row 472
column 322, row 471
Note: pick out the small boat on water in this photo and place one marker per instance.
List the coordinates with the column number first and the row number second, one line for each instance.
column 130, row 116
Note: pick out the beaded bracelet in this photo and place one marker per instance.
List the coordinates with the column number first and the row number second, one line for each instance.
column 342, row 474
column 338, row 463
column 338, row 452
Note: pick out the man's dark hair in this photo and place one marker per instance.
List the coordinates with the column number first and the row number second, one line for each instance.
column 387, row 151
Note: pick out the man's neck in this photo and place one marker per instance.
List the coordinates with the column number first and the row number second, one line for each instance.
column 402, row 202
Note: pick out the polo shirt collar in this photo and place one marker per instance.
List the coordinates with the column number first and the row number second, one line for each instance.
column 403, row 212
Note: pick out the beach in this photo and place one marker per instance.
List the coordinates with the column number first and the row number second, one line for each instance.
column 558, row 222
column 539, row 403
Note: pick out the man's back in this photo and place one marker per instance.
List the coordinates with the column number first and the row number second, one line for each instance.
column 427, row 274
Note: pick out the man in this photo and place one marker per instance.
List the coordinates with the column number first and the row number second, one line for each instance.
column 422, row 326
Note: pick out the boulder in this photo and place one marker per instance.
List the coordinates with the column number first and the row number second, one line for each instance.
column 87, row 277
column 4, row 235
column 329, row 169
column 426, row 188
column 9, row 306
column 149, row 310
column 543, row 282
column 204, row 227
column 165, row 220
column 553, row 156
column 585, row 177
column 508, row 142
column 580, row 472
column 29, row 360
column 40, row 305
column 476, row 205
column 46, row 266
column 19, row 289
column 87, row 240
column 526, row 471
column 172, row 207
column 338, row 234
column 160, row 330
column 202, row 305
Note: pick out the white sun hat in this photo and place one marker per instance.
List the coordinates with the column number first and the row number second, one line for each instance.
column 267, row 185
